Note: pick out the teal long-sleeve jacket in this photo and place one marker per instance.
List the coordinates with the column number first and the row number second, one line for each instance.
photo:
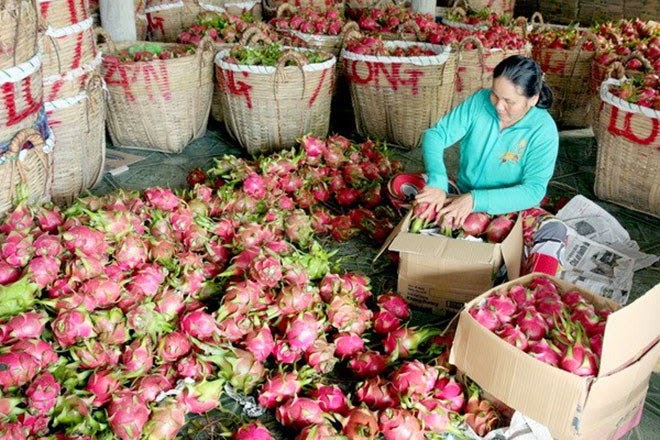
column 505, row 170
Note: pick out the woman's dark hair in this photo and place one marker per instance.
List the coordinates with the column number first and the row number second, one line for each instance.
column 525, row 73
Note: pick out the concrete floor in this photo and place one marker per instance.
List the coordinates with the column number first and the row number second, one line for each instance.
column 574, row 174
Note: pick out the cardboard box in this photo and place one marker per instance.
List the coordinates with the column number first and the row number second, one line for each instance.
column 443, row 273
column 600, row 408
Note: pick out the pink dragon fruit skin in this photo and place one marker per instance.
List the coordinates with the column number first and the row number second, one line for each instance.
column 368, row 364
column 173, row 346
column 414, row 378
column 404, row 342
column 151, row 385
column 347, row 345
column 284, row 353
column 27, row 325
column 165, row 421
column 161, row 198
column 203, row 396
column 385, row 322
column 303, row 330
column 397, row 424
column 71, row 326
column 532, row 324
column 279, row 388
column 34, row 424
column 44, row 270
column 260, row 343
column 102, row 384
column 360, row 424
column 513, row 335
column 8, row 274
column 318, row 432
column 331, row 399
column 321, row 356
column 17, row 369
column 252, row 431
column 127, row 415
column 394, row 304
column 300, row 412
column 449, row 393
column 579, row 360
column 498, row 229
column 475, row 223
column 503, row 306
column 485, row 317
column 545, row 351
column 377, row 393
column 199, row 324
column 194, row 367
column 42, row 393
column 138, row 357
column 42, row 351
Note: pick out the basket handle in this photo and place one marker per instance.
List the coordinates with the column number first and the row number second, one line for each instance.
column 352, row 35
column 615, row 70
column 415, row 27
column 457, row 11
column 26, row 135
column 253, row 35
column 588, row 36
column 94, row 83
column 284, row 8
column 637, row 55
column 300, row 60
column 458, row 3
column 100, row 32
column 480, row 51
column 536, row 18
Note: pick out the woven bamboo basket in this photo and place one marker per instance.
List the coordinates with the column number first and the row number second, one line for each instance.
column 141, row 23
column 628, row 162
column 168, row 18
column 63, row 13
column 20, row 97
column 18, row 32
column 270, row 7
column 269, row 108
column 69, row 48
column 474, row 67
column 397, row 98
column 235, row 7
column 78, row 123
column 567, row 72
column 615, row 70
column 354, row 7
column 328, row 43
column 71, row 82
column 159, row 105
column 497, row 6
column 26, row 170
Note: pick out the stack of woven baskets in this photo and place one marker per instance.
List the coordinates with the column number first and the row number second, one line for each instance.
column 25, row 159
column 73, row 96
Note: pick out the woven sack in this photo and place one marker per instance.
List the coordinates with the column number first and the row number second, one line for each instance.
column 474, row 67
column 269, row 108
column 69, row 48
column 159, row 105
column 20, row 97
column 567, row 72
column 18, row 32
column 26, row 169
column 62, row 13
column 235, row 7
column 78, row 123
column 628, row 162
column 168, row 18
column 397, row 98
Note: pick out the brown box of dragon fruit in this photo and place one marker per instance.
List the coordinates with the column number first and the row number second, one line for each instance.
column 439, row 273
column 572, row 360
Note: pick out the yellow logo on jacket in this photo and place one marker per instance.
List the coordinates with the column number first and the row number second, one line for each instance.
column 514, row 155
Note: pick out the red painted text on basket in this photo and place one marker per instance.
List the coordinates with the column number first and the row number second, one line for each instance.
column 317, row 90
column 8, row 97
column 153, row 75
column 627, row 129
column 239, row 88
column 155, row 24
column 71, row 5
column 552, row 61
column 391, row 72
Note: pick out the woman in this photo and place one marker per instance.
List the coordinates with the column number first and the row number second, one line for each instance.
column 508, row 148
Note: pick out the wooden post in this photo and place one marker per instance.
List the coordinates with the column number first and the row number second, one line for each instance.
column 118, row 19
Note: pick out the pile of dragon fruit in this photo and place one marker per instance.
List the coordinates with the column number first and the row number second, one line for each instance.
column 375, row 46
column 559, row 328
column 489, row 228
column 125, row 313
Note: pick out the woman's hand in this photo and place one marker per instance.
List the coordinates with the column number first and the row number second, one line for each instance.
column 435, row 197
column 457, row 209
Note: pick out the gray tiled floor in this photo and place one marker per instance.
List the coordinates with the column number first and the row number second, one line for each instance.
column 574, row 174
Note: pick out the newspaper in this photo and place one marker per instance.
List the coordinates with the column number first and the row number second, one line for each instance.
column 600, row 254
column 520, row 428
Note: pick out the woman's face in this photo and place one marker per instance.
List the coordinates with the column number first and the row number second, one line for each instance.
column 509, row 101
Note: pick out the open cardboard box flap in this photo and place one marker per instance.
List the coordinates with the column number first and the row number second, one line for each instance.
column 419, row 244
column 630, row 331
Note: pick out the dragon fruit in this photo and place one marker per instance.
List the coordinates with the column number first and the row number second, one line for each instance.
column 44, row 270
column 199, row 324
column 397, row 424
column 138, row 357
column 202, row 397
column 151, row 385
column 42, row 393
column 284, row 385
column 414, row 378
column 40, row 350
column 502, row 305
column 93, row 354
column 532, row 324
column 377, row 393
column 161, row 198
column 579, row 360
column 449, row 393
column 127, row 414
column 360, row 424
column 368, row 364
column 321, row 356
column 71, row 326
column 405, row 342
column 102, row 384
column 284, row 353
column 300, row 412
column 330, row 398
column 173, row 346
column 27, row 325
column 17, row 297
column 165, row 421
column 545, row 351
column 385, row 322
column 499, row 228
column 475, row 223
column 252, row 431
column 82, row 239
column 394, row 304
column 513, row 335
column 303, row 330
column 260, row 343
